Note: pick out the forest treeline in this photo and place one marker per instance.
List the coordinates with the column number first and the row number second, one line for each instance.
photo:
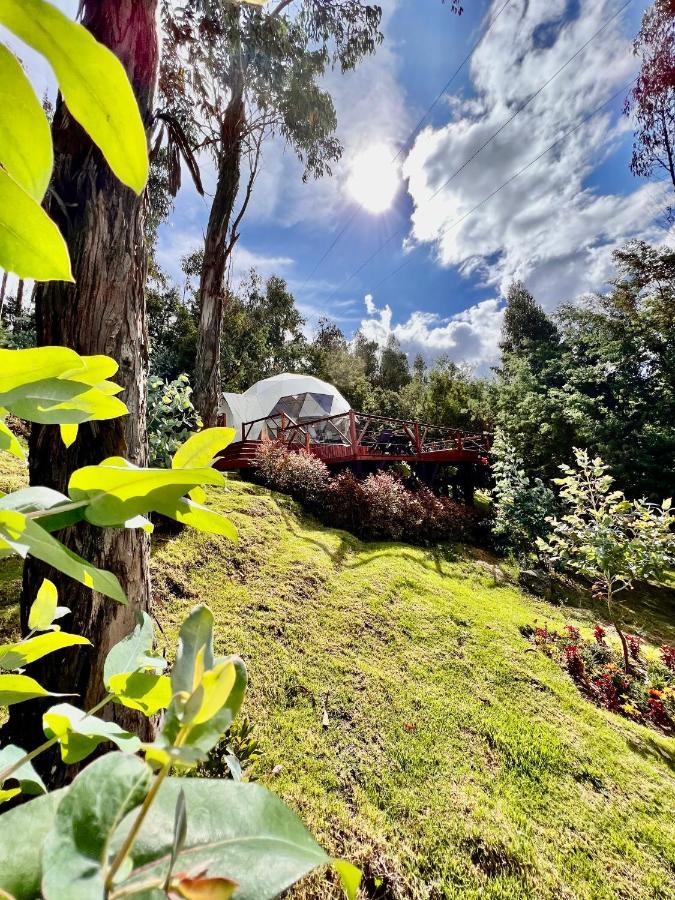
column 599, row 373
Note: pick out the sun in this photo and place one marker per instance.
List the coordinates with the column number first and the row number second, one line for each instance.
column 374, row 178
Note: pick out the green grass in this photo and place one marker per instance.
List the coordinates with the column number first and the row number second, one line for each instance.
column 456, row 761
column 406, row 719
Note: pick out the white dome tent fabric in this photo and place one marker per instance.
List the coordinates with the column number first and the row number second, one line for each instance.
column 300, row 397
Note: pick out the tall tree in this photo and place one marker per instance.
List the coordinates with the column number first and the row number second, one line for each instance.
column 394, row 368
column 102, row 313
column 651, row 101
column 264, row 336
column 525, row 322
column 246, row 73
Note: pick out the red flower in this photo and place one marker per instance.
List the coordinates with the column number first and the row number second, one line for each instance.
column 599, row 634
column 572, row 632
column 634, row 643
column 668, row 657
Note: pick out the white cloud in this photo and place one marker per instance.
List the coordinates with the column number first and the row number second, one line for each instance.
column 469, row 337
column 548, row 227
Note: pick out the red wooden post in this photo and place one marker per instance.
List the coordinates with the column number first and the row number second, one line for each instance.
column 352, row 432
column 418, row 442
column 307, row 441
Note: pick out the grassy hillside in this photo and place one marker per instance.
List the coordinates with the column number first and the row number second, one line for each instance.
column 404, row 716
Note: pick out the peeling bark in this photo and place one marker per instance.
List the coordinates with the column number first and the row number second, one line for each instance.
column 216, row 253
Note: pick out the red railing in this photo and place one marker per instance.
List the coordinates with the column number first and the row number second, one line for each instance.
column 366, row 434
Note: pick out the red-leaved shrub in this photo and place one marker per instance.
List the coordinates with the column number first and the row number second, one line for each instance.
column 298, row 473
column 380, row 506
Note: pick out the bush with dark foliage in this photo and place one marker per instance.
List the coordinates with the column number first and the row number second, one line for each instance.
column 379, row 506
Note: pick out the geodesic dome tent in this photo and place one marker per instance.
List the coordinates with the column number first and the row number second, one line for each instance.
column 300, row 397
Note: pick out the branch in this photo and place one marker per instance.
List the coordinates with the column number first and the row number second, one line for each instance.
column 279, row 8
column 234, row 237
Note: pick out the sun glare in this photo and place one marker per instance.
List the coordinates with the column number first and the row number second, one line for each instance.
column 374, row 178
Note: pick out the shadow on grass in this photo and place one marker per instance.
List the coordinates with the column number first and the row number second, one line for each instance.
column 429, row 558
column 654, row 748
column 648, row 611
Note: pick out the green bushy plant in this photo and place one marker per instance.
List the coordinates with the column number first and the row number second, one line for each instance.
column 522, row 505
column 608, row 539
column 171, row 417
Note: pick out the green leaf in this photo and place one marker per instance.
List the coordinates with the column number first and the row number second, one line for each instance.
column 21, row 855
column 29, row 781
column 31, row 245
column 93, row 83
column 44, row 607
column 68, row 434
column 9, row 442
column 133, row 653
column 141, row 690
column 350, row 877
column 39, row 499
column 77, row 846
column 93, row 370
column 17, row 688
column 57, row 401
column 79, row 734
column 204, row 732
column 194, row 655
column 200, row 449
column 179, row 832
column 21, row 367
column 201, row 518
column 26, row 537
column 238, row 831
column 25, row 137
column 16, row 656
column 118, row 493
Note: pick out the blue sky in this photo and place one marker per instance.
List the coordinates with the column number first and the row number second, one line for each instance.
column 554, row 227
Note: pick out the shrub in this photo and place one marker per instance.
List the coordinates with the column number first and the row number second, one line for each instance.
column 382, row 507
column 171, row 418
column 522, row 505
column 608, row 539
column 379, row 506
column 298, row 473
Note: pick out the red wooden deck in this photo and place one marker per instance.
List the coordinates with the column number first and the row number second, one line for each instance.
column 356, row 437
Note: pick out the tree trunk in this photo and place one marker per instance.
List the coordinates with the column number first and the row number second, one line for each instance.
column 103, row 312
column 212, row 279
column 3, row 291
column 18, row 300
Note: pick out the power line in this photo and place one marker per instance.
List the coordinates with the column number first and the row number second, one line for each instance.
column 492, row 137
column 408, row 140
column 449, row 82
column 513, row 177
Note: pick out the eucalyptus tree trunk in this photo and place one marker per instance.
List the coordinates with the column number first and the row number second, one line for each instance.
column 216, row 252
column 18, row 300
column 3, row 291
column 102, row 313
